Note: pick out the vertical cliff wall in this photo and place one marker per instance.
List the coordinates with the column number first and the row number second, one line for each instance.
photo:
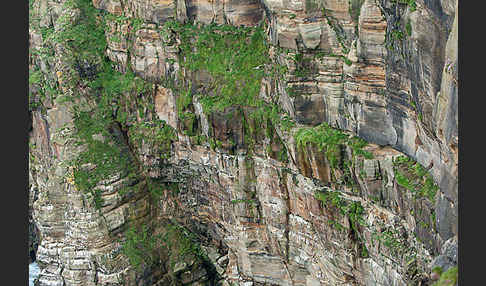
column 243, row 142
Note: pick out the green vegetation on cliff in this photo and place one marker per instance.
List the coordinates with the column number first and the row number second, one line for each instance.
column 101, row 129
column 155, row 133
column 408, row 28
column 140, row 246
column 234, row 57
column 331, row 140
column 112, row 114
column 106, row 107
column 448, row 278
column 352, row 209
column 415, row 178
column 144, row 247
column 231, row 63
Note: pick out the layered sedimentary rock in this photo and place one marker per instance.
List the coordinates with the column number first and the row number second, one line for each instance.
column 223, row 204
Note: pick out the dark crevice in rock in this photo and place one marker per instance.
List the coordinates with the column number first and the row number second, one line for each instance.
column 283, row 186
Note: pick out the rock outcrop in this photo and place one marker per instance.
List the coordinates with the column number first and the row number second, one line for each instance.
column 243, row 142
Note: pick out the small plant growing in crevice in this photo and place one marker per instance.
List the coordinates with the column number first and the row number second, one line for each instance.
column 412, row 5
column 408, row 28
column 415, row 178
column 332, row 140
column 354, row 212
column 302, row 64
column 156, row 133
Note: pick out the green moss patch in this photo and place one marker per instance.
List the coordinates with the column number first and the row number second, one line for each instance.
column 331, row 140
column 234, row 58
column 448, row 278
column 415, row 178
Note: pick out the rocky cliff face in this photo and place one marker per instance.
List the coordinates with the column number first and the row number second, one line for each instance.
column 244, row 142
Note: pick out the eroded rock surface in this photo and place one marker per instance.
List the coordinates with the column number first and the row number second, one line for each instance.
column 225, row 198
